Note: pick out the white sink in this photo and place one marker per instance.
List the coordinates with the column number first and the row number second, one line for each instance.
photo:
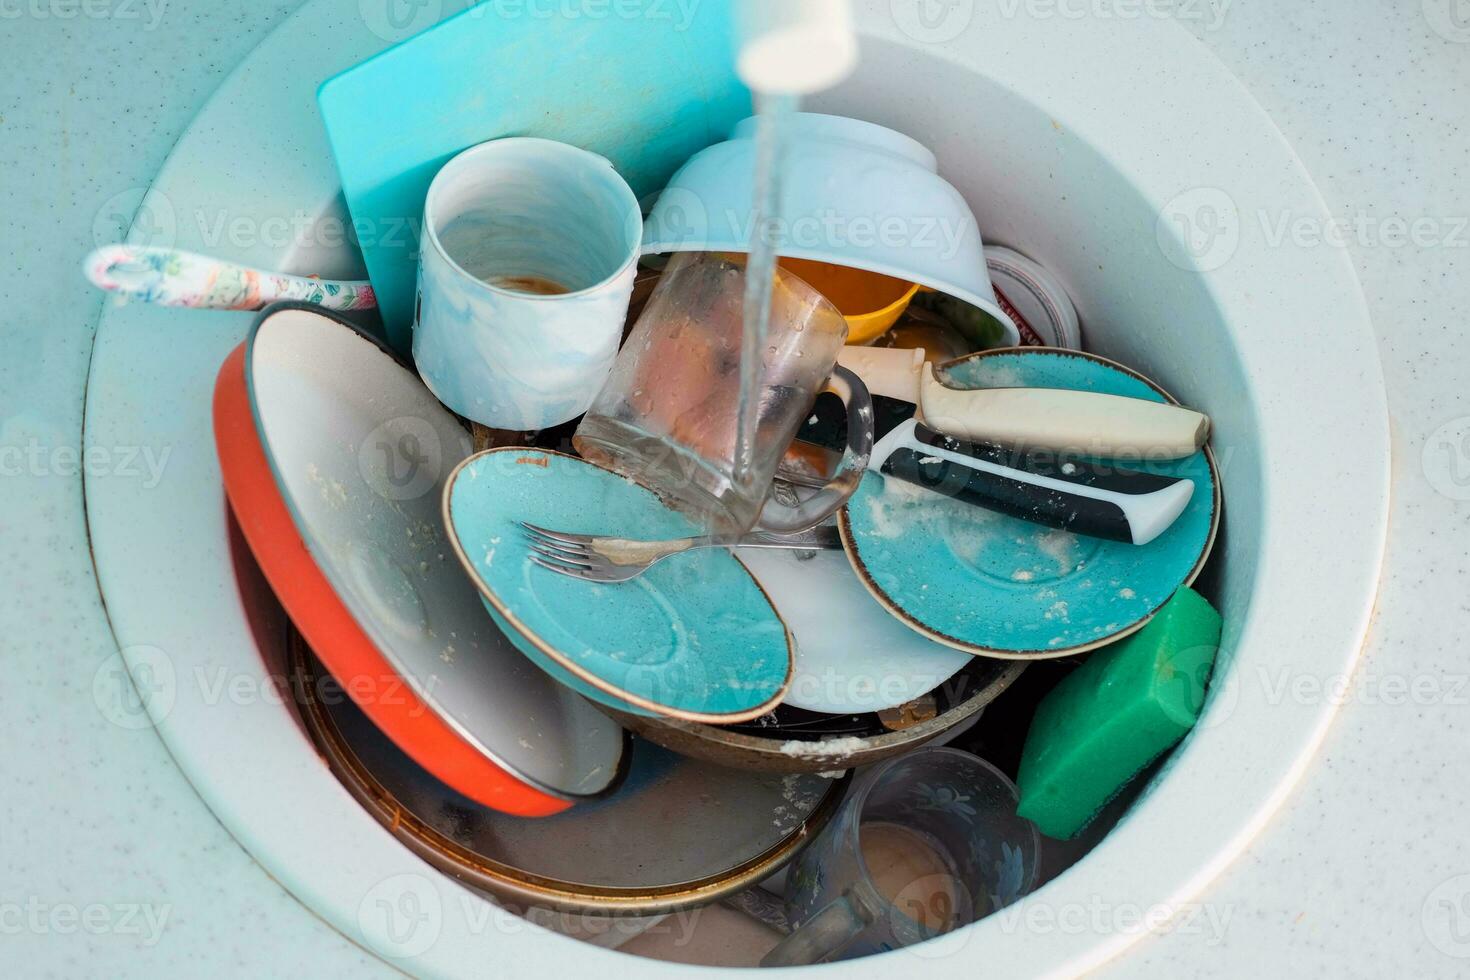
column 1092, row 145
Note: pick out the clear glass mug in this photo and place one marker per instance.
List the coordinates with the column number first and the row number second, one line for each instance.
column 666, row 418
column 923, row 845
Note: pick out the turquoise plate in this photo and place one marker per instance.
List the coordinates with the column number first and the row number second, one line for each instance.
column 994, row 585
column 694, row 638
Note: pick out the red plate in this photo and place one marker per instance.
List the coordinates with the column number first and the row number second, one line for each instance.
column 437, row 737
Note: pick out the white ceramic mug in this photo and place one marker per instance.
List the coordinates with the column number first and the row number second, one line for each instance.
column 526, row 269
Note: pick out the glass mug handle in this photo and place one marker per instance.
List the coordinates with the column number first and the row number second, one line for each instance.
column 823, row 935
column 788, row 519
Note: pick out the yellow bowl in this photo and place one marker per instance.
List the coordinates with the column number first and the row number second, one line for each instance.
column 869, row 301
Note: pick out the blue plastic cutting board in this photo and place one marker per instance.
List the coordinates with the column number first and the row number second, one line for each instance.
column 645, row 83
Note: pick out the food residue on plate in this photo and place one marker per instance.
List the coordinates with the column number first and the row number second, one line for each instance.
column 832, row 748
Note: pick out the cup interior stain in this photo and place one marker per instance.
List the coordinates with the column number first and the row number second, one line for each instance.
column 531, row 285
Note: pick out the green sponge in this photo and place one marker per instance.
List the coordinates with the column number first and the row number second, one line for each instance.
column 1122, row 709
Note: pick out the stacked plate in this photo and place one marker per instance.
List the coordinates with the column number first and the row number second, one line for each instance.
column 334, row 456
column 677, row 834
column 471, row 689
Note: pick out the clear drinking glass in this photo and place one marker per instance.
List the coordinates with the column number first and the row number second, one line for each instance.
column 923, row 845
column 667, row 416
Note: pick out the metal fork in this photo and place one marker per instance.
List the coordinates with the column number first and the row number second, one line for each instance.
column 607, row 559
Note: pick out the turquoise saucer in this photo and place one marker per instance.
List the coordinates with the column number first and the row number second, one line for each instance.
column 693, row 638
column 998, row 586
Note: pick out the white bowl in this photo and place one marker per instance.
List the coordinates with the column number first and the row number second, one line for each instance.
column 853, row 194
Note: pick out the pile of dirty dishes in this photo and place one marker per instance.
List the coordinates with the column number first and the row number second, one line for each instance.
column 609, row 621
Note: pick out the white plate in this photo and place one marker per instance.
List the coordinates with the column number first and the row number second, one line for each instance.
column 361, row 453
column 851, row 656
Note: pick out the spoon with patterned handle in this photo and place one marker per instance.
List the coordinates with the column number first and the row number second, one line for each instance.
column 170, row 277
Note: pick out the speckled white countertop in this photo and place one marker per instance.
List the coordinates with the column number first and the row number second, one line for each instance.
column 108, row 860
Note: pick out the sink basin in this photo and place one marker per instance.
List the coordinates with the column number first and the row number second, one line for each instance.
column 1120, row 155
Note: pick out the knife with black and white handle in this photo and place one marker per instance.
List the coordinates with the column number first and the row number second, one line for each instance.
column 1046, row 488
column 1032, row 418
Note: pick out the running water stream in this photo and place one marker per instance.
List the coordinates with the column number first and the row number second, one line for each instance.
column 773, row 113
